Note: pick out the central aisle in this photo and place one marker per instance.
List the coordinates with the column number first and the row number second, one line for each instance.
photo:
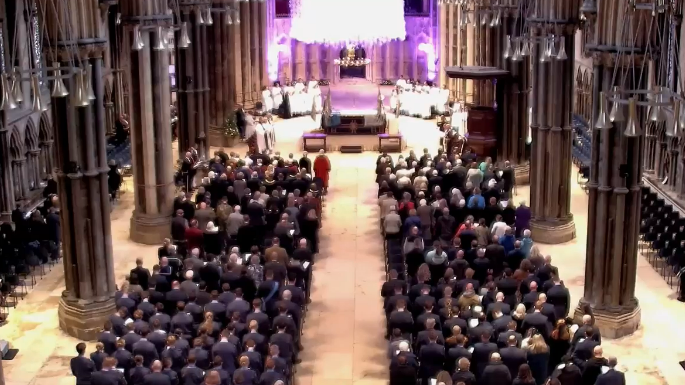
column 343, row 332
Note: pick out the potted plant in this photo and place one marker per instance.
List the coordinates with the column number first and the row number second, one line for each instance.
column 231, row 135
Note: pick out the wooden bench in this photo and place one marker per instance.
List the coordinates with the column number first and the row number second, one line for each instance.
column 319, row 142
column 390, row 143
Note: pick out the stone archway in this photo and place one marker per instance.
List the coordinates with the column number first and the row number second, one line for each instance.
column 32, row 148
column 18, row 165
column 46, row 141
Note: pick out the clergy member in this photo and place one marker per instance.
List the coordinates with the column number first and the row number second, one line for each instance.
column 322, row 168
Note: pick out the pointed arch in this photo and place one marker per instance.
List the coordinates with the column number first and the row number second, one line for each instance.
column 46, row 158
column 16, row 145
column 31, row 136
column 44, row 128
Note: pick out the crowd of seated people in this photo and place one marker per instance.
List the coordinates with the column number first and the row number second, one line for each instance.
column 469, row 299
column 226, row 302
column 28, row 246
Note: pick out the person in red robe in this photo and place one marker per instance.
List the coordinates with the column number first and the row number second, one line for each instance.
column 322, row 168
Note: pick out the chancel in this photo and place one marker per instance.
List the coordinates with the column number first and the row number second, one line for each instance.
column 285, row 192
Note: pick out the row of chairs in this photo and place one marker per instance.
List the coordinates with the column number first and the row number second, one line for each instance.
column 121, row 154
column 662, row 235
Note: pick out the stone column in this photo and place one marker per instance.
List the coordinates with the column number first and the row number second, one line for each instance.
column 191, row 64
column 34, row 166
column 150, row 134
column 6, row 191
column 550, row 168
column 616, row 172
column 220, row 60
column 81, row 169
column 246, row 58
column 265, row 39
column 235, row 42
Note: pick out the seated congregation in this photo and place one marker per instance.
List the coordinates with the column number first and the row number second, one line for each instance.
column 469, row 299
column 226, row 302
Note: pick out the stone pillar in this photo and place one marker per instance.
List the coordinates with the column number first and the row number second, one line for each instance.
column 220, row 60
column 6, row 190
column 235, row 42
column 191, row 69
column 246, row 58
column 616, row 171
column 81, row 169
column 550, row 167
column 150, row 134
column 265, row 39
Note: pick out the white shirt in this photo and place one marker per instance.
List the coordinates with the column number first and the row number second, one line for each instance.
column 498, row 228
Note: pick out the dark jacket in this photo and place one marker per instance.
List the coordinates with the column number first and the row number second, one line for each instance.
column 82, row 368
column 495, row 373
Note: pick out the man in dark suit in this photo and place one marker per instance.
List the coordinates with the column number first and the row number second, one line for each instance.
column 402, row 373
column 156, row 377
column 481, row 353
column 584, row 349
column 142, row 273
column 81, row 367
column 432, row 358
column 612, row 376
column 580, row 333
column 513, row 356
column 240, row 120
column 108, row 338
column 109, row 375
column 593, row 367
column 537, row 320
column 227, row 350
column 559, row 297
column 146, row 349
column 495, row 373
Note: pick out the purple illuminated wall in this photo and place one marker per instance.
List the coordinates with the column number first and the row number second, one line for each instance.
column 415, row 57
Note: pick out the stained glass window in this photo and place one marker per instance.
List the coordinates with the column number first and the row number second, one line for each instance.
column 35, row 43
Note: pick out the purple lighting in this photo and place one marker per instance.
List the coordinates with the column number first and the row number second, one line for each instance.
column 429, row 50
column 274, row 57
column 341, row 22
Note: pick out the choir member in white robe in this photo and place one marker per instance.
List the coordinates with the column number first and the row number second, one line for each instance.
column 312, row 83
column 290, row 90
column 443, row 99
column 254, row 134
column 267, row 100
column 401, row 83
column 458, row 121
column 425, row 104
column 318, row 102
column 393, row 99
column 434, row 94
column 277, row 96
column 425, row 88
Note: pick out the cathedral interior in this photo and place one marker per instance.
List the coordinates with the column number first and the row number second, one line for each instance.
column 590, row 106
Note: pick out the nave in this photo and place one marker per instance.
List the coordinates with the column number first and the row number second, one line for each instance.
column 343, row 333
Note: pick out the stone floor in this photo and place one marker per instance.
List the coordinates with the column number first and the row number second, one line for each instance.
column 343, row 331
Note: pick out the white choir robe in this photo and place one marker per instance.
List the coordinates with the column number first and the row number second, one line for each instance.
column 277, row 96
column 318, row 102
column 401, row 83
column 426, row 102
column 443, row 99
column 425, row 89
column 393, row 100
column 435, row 97
column 267, row 101
column 312, row 84
column 458, row 122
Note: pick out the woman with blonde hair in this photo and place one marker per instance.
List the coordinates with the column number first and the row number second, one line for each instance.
column 559, row 344
column 536, row 256
column 538, row 358
column 518, row 314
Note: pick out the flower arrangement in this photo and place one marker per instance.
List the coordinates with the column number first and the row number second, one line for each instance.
column 231, row 128
column 324, row 82
column 351, row 62
column 387, row 82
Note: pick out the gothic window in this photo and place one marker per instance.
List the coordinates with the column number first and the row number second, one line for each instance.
column 35, row 41
column 2, row 48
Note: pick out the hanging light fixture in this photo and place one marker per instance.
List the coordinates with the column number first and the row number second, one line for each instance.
column 138, row 43
column 561, row 55
column 17, row 89
column 552, row 46
column 37, row 99
column 80, row 97
column 674, row 129
column 59, row 90
column 603, row 122
column 632, row 126
column 184, row 39
column 616, row 114
column 546, row 51
column 508, row 51
column 525, row 49
column 199, row 20
column 117, row 19
column 88, row 82
column 237, row 16
column 160, row 46
column 496, row 19
column 464, row 18
column 656, row 112
column 682, row 119
column 229, row 19
column 208, row 19
column 484, row 19
column 517, row 56
column 7, row 100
